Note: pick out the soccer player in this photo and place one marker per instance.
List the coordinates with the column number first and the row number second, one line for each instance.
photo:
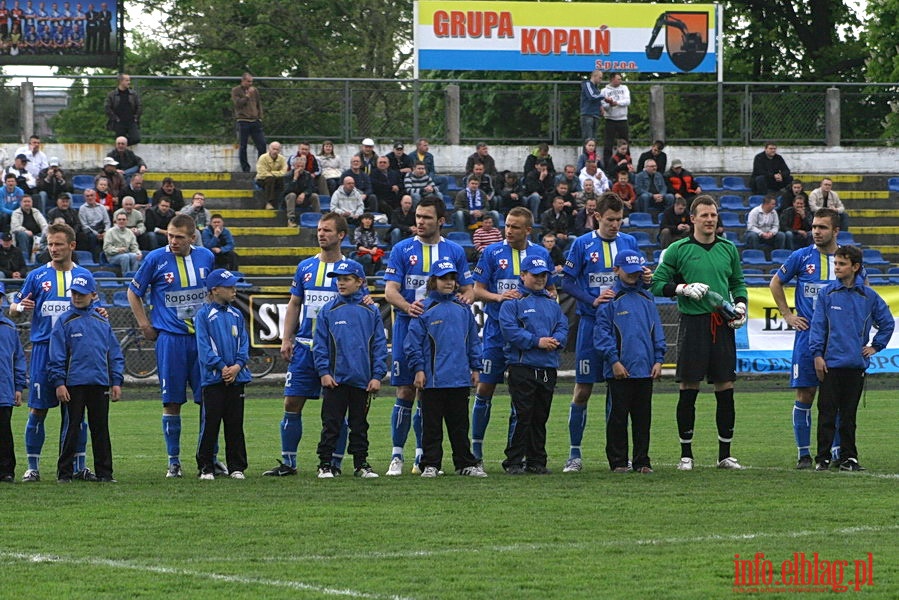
column 45, row 293
column 588, row 277
column 694, row 269
column 812, row 268
column 310, row 290
column 406, row 278
column 496, row 278
column 174, row 276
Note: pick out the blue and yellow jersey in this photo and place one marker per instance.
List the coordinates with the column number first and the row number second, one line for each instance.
column 499, row 269
column 410, row 265
column 589, row 263
column 47, row 287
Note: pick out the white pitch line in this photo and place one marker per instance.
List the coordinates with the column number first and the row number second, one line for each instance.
column 412, row 554
column 120, row 564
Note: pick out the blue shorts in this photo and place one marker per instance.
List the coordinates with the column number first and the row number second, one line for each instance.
column 176, row 355
column 43, row 395
column 302, row 378
column 803, row 373
column 399, row 373
column 588, row 364
column 493, row 359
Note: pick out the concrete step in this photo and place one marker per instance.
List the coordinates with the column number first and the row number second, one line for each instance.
column 280, row 256
column 268, row 270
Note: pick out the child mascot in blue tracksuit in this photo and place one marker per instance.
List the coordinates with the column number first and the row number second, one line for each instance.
column 85, row 367
column 845, row 311
column 12, row 382
column 350, row 352
column 628, row 335
column 443, row 349
column 223, row 347
column 534, row 330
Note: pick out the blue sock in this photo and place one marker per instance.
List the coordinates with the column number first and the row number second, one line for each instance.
column 81, row 451
column 480, row 417
column 416, row 427
column 835, row 445
column 340, row 449
column 171, row 431
column 577, row 421
column 802, row 427
column 34, row 439
column 291, row 434
column 400, row 421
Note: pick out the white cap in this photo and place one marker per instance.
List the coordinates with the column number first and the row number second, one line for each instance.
column 110, row 161
column 368, row 142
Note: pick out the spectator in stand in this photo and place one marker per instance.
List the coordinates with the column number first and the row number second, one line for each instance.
column 796, row 224
column 488, row 233
column 423, row 154
column 24, row 179
column 51, row 182
column 129, row 163
column 681, row 181
column 592, row 171
column 348, row 201
column 156, row 219
column 481, row 155
column 104, row 197
column 675, row 223
column 470, row 205
column 94, row 219
column 387, row 183
column 69, row 216
column 825, row 197
column 366, row 240
column 616, row 99
column 513, row 194
column 656, row 153
column 588, row 152
column 120, row 245
column 770, row 172
column 171, row 193
column 763, row 227
column 123, row 110
column 10, row 197
column 37, row 160
column 27, row 225
column 419, row 184
column 557, row 220
column 12, row 263
column 569, row 176
column 135, row 222
column 305, row 159
column 785, row 200
column 331, row 167
column 479, row 172
column 400, row 161
column 299, row 192
column 555, row 253
column 218, row 239
column 541, row 152
column 591, row 105
column 362, row 184
column 625, row 191
column 137, row 191
column 248, row 114
column 621, row 158
column 111, row 173
column 589, row 192
column 652, row 193
column 561, row 191
column 270, row 171
column 537, row 184
column 402, row 221
column 586, row 219
column 367, row 156
column 199, row 213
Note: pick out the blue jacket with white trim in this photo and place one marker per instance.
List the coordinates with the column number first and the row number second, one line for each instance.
column 629, row 330
column 841, row 325
column 222, row 341
column 437, row 337
column 524, row 321
column 349, row 343
column 84, row 350
column 12, row 373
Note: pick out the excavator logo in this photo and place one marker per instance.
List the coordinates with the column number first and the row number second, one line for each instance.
column 686, row 36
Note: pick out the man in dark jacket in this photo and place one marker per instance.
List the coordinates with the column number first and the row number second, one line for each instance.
column 123, row 109
column 770, row 172
column 796, row 223
column 12, row 263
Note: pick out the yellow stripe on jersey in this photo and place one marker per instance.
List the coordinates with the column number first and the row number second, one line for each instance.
column 516, row 262
column 825, row 266
column 61, row 284
column 426, row 258
column 321, row 273
column 185, row 282
column 607, row 257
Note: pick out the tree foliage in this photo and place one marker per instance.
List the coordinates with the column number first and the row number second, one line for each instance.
column 883, row 61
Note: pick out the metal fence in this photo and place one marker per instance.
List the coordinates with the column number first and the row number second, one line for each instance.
column 181, row 109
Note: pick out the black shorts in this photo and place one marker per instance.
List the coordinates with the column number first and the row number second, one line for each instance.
column 706, row 349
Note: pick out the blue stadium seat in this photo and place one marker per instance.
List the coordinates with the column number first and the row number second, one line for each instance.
column 77, row 201
column 780, row 255
column 82, row 182
column 755, row 200
column 734, row 238
column 451, row 184
column 755, row 277
column 870, row 256
column 730, row 219
column 640, row 219
column 844, row 238
column 324, row 203
column 708, row 184
column 85, row 258
column 460, row 237
column 754, row 257
column 120, row 299
column 643, row 240
column 734, row 184
column 106, row 275
column 310, row 220
column 732, row 203
column 893, row 184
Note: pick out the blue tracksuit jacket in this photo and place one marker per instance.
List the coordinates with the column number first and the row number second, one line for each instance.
column 526, row 320
column 349, row 343
column 12, row 368
column 222, row 340
column 841, row 325
column 84, row 350
column 436, row 340
column 629, row 330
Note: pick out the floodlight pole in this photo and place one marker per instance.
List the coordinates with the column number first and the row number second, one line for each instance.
column 719, row 53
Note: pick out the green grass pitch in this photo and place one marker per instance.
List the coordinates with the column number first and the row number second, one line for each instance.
column 588, row 535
